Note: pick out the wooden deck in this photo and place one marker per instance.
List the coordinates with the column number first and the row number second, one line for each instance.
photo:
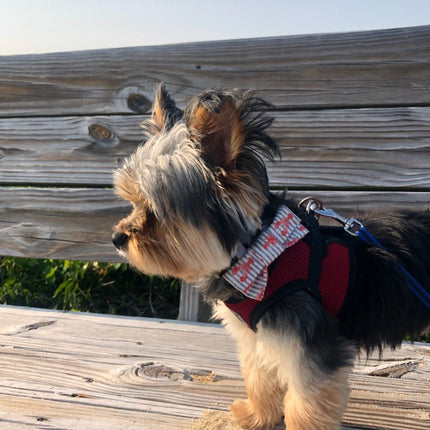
column 81, row 371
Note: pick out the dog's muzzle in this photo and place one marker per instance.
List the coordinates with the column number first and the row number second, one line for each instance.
column 120, row 240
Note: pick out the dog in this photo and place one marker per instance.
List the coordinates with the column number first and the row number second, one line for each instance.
column 301, row 299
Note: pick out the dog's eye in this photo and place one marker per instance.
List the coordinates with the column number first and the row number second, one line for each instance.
column 150, row 216
column 133, row 229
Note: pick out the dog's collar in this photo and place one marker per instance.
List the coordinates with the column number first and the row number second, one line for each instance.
column 249, row 274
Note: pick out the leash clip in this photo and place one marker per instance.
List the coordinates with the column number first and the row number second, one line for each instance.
column 315, row 206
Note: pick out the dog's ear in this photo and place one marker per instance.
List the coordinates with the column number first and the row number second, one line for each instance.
column 165, row 113
column 215, row 122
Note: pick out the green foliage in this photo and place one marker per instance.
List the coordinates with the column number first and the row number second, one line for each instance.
column 111, row 288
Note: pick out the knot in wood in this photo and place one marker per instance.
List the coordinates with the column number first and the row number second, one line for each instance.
column 100, row 132
column 139, row 103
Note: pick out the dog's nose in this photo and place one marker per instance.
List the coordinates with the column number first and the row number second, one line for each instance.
column 120, row 240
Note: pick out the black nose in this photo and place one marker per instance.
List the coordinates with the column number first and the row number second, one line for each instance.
column 120, row 240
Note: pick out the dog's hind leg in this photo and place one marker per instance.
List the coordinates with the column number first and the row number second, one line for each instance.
column 313, row 361
column 317, row 393
column 317, row 405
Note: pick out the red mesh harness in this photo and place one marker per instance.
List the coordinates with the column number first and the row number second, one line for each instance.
column 322, row 264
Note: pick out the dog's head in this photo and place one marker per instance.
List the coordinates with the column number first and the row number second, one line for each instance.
column 198, row 184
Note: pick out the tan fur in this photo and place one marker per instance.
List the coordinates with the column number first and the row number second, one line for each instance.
column 222, row 136
column 215, row 129
column 272, row 362
column 263, row 408
column 247, row 193
column 173, row 249
column 318, row 403
column 157, row 116
column 157, row 123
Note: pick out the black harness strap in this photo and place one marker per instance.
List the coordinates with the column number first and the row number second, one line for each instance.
column 315, row 258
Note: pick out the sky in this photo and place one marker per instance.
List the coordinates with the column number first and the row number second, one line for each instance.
column 40, row 26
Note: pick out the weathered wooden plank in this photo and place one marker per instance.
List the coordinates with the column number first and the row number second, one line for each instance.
column 387, row 67
column 65, row 150
column 77, row 223
column 59, row 223
column 352, row 203
column 80, row 371
column 336, row 149
column 353, row 149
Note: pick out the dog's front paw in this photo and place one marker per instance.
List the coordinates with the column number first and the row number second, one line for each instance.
column 251, row 419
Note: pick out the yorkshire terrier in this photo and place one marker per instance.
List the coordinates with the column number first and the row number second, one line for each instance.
column 300, row 298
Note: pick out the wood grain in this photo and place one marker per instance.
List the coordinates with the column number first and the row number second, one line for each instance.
column 353, row 149
column 323, row 149
column 59, row 223
column 78, row 223
column 80, row 371
column 64, row 150
column 376, row 68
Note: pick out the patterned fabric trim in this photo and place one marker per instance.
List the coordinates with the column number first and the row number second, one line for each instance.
column 249, row 275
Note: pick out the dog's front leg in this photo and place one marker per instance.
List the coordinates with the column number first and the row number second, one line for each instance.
column 263, row 408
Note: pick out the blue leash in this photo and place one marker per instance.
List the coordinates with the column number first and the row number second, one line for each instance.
column 356, row 228
column 412, row 283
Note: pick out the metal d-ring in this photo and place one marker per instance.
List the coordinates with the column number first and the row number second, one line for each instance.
column 311, row 204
